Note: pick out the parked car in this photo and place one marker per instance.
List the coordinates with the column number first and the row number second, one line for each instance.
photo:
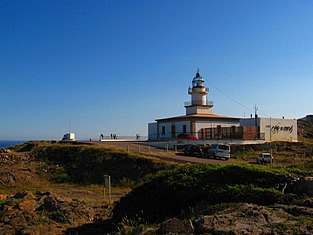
column 186, row 136
column 218, row 151
column 264, row 158
column 193, row 150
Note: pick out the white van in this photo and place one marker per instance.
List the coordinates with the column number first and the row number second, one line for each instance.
column 219, row 151
column 265, row 158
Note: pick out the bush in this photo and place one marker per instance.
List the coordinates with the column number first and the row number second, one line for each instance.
column 173, row 191
column 62, row 178
column 83, row 164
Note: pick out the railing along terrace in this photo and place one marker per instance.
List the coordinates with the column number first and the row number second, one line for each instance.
column 189, row 103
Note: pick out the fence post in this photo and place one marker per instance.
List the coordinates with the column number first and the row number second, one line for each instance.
column 149, row 149
column 107, row 185
column 138, row 148
column 175, row 148
column 127, row 148
column 166, row 148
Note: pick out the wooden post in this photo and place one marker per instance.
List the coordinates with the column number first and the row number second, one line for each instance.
column 138, row 148
column 149, row 149
column 127, row 148
column 107, row 185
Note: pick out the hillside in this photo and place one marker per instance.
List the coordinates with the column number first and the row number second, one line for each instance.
column 209, row 199
column 305, row 130
column 50, row 187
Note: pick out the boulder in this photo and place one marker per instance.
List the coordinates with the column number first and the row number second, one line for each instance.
column 3, row 196
column 176, row 226
column 28, row 205
column 24, row 195
column 308, row 202
column 245, row 219
column 51, row 202
column 299, row 210
column 3, row 150
column 303, row 186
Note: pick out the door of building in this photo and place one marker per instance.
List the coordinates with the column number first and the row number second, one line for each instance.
column 173, row 131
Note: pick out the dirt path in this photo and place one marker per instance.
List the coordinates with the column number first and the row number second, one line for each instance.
column 170, row 155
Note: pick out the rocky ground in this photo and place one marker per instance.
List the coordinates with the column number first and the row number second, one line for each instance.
column 305, row 129
column 246, row 219
column 42, row 212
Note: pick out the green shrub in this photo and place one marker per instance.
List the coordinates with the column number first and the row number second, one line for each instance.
column 62, row 178
column 87, row 164
column 167, row 194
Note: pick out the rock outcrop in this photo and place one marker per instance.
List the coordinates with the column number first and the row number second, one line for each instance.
column 246, row 219
column 23, row 212
column 303, row 186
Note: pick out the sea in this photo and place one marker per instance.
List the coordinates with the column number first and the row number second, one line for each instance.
column 7, row 143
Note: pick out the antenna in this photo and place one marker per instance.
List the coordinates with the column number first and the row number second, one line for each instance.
column 255, row 109
column 69, row 125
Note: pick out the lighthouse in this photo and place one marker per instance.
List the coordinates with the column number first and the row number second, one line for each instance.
column 198, row 92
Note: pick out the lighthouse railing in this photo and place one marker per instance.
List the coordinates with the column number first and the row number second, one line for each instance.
column 190, row 90
column 189, row 103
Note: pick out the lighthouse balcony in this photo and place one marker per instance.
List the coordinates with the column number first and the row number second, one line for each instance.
column 189, row 103
column 198, row 89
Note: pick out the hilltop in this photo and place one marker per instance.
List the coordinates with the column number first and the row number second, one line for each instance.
column 305, row 130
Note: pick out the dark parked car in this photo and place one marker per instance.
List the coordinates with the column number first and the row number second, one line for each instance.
column 186, row 136
column 193, row 150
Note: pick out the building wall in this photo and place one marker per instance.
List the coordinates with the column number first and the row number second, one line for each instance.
column 277, row 129
column 152, row 131
column 199, row 125
column 198, row 95
column 198, row 110
column 249, row 122
column 168, row 128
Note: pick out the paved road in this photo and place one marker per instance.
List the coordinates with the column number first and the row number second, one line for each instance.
column 146, row 149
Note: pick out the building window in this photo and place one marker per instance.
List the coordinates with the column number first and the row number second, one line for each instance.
column 184, row 129
column 163, row 130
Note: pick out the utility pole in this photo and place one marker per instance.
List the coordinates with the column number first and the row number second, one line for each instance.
column 255, row 110
column 271, row 150
column 69, row 125
column 256, row 115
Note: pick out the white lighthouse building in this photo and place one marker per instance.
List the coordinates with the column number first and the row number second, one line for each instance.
column 201, row 122
column 198, row 116
column 199, row 103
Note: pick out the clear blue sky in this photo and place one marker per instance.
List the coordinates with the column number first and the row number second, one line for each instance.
column 114, row 66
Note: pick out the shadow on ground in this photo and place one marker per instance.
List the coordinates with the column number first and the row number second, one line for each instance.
column 96, row 228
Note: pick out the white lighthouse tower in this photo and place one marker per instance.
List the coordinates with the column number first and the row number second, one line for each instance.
column 199, row 103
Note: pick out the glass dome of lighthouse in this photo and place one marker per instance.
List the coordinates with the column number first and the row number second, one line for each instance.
column 198, row 81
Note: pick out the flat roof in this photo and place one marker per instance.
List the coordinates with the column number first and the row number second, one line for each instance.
column 198, row 116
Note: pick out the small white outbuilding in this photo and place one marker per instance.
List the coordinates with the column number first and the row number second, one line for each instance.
column 69, row 137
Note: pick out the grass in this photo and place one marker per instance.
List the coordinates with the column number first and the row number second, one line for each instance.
column 87, row 164
column 292, row 224
column 245, row 154
column 175, row 190
column 204, row 208
column 10, row 201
